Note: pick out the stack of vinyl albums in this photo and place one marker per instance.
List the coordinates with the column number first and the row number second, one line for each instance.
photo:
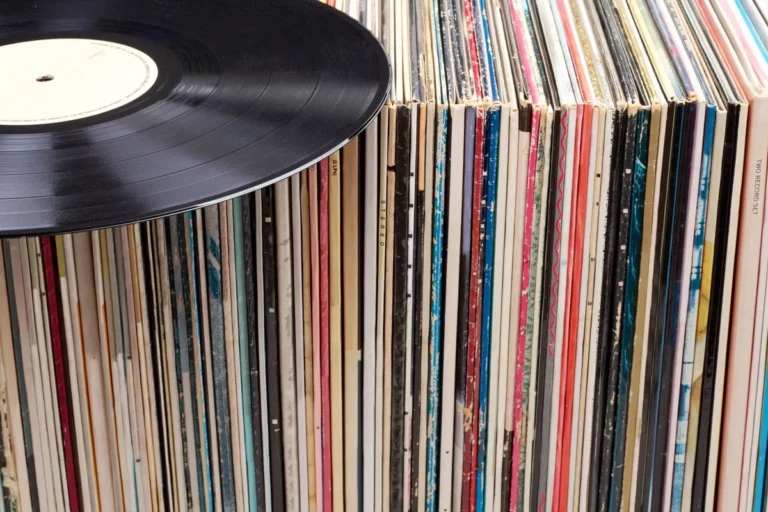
column 536, row 281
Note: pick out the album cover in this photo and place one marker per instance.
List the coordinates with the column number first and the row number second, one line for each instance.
column 301, row 321
column 350, row 184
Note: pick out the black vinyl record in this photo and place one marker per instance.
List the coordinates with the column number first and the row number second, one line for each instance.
column 122, row 111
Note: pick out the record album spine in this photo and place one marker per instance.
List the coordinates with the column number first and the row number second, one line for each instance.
column 420, row 293
column 451, row 334
column 735, row 410
column 552, row 200
column 314, row 219
column 302, row 325
column 252, row 383
column 388, row 313
column 634, row 254
column 474, row 319
column 500, row 336
column 516, row 266
column 382, row 305
column 14, row 385
column 350, row 182
column 437, row 295
column 399, row 294
column 311, row 380
column 242, row 272
column 26, row 387
column 707, row 298
column 622, row 191
column 539, row 282
column 325, row 332
column 557, row 439
column 196, row 356
column 702, row 188
column 490, row 218
column 60, row 372
column 272, row 352
column 214, row 262
column 336, row 327
column 214, row 500
column 463, row 317
column 370, row 200
column 286, row 344
column 521, row 380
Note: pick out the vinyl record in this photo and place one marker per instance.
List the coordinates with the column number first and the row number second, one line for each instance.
column 133, row 110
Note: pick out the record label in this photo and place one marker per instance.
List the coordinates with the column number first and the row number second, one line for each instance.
column 59, row 80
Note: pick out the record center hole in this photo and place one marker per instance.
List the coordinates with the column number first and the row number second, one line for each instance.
column 44, row 78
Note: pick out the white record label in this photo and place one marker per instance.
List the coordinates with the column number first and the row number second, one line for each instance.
column 58, row 80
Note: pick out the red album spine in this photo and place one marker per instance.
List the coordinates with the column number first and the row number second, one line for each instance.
column 471, row 409
column 59, row 366
column 469, row 480
column 576, row 246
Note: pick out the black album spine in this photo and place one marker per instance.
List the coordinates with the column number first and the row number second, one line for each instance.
column 400, row 292
column 622, row 187
column 677, row 254
column 658, row 301
column 180, row 364
column 634, row 258
column 604, row 333
column 418, row 341
column 657, row 430
column 253, row 385
column 272, row 350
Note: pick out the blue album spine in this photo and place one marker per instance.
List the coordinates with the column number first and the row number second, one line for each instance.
column 215, row 305
column 245, row 367
column 692, row 314
column 199, row 363
column 630, row 300
column 492, row 165
column 436, row 316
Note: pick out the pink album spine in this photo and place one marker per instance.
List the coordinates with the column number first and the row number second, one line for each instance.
column 325, row 362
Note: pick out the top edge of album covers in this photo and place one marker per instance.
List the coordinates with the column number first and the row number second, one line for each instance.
column 662, row 64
